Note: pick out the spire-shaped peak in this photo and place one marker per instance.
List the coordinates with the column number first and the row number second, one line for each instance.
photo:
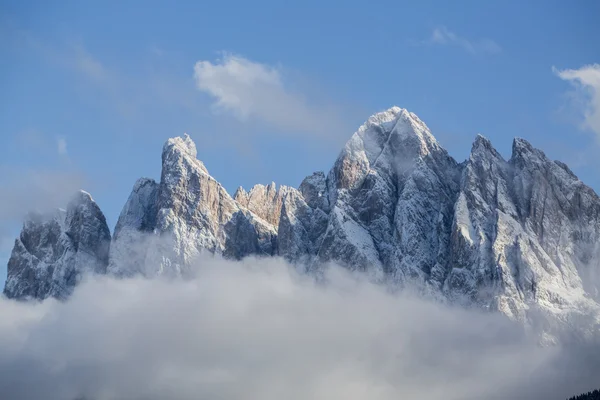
column 409, row 126
column 521, row 145
column 82, row 201
column 240, row 191
column 81, row 197
column 381, row 142
column 183, row 144
column 406, row 128
column 86, row 225
column 481, row 140
column 483, row 145
column 384, row 117
column 143, row 182
column 181, row 151
column 241, row 196
column 483, row 151
column 389, row 118
column 524, row 152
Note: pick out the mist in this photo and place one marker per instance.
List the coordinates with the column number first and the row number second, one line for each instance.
column 257, row 329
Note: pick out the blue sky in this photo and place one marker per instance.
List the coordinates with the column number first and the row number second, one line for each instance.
column 270, row 91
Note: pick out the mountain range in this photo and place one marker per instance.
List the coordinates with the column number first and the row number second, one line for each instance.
column 519, row 236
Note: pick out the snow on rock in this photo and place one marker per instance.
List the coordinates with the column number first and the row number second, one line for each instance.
column 519, row 236
column 314, row 191
column 164, row 226
column 522, row 235
column 54, row 250
column 263, row 200
column 395, row 182
column 134, row 229
column 301, row 228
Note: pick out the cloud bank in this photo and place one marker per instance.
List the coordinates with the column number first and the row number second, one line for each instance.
column 587, row 95
column 258, row 330
column 249, row 90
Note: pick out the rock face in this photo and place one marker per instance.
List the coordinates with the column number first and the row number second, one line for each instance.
column 54, row 251
column 263, row 200
column 165, row 225
column 391, row 192
column 521, row 236
column 134, row 227
column 525, row 234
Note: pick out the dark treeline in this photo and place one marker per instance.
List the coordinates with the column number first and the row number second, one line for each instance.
column 595, row 395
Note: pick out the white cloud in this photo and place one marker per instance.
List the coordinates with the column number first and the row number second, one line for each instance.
column 443, row 36
column 258, row 330
column 251, row 90
column 61, row 145
column 587, row 83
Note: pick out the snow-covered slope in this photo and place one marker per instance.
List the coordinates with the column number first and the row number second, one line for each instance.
column 53, row 251
column 391, row 192
column 521, row 236
column 525, row 233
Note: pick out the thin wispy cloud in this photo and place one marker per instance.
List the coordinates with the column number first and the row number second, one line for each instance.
column 97, row 80
column 42, row 190
column 87, row 64
column 43, row 186
column 586, row 97
column 70, row 54
column 442, row 36
column 61, row 146
column 261, row 97
column 252, row 91
column 156, row 51
column 41, row 145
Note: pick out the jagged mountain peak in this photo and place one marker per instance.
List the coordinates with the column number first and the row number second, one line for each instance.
column 141, row 182
column 389, row 142
column 524, row 153
column 481, row 142
column 380, row 129
column 183, row 144
column 81, row 196
column 483, row 149
column 381, row 118
column 512, row 236
column 521, row 145
column 180, row 152
column 83, row 207
column 54, row 249
column 138, row 212
column 240, row 193
column 534, row 163
column 263, row 200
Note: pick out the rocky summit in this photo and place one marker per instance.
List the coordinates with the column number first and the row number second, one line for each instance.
column 520, row 236
column 53, row 251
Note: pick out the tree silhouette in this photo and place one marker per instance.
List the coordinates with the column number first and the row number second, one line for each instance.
column 595, row 395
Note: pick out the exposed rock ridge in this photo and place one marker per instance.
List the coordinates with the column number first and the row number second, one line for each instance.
column 521, row 236
column 55, row 250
